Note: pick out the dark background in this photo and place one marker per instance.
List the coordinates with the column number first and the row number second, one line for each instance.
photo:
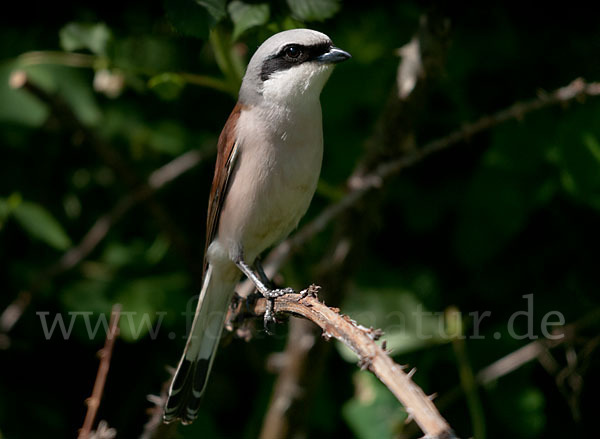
column 510, row 212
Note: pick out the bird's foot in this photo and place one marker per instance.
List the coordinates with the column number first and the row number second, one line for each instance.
column 278, row 292
column 271, row 295
column 269, row 317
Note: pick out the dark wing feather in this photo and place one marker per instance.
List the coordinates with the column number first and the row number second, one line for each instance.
column 226, row 154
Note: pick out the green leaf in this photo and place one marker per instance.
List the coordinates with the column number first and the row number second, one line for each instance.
column 216, row 8
column 18, row 106
column 228, row 59
column 144, row 302
column 313, row 10
column 407, row 324
column 373, row 413
column 147, row 54
column 92, row 36
column 167, row 86
column 120, row 254
column 168, row 137
column 72, row 85
column 246, row 16
column 580, row 167
column 512, row 181
column 4, row 210
column 87, row 295
column 593, row 146
column 40, row 224
column 519, row 406
column 189, row 17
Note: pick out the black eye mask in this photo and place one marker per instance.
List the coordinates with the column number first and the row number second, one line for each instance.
column 291, row 55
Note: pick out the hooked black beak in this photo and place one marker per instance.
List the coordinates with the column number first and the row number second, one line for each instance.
column 334, row 56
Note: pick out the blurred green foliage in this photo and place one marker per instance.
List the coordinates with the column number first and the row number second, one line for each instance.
column 513, row 211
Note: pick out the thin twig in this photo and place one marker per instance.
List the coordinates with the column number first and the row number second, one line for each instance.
column 14, row 311
column 469, row 386
column 155, row 428
column 206, row 81
column 362, row 342
column 69, row 59
column 11, row 315
column 105, row 354
column 536, row 349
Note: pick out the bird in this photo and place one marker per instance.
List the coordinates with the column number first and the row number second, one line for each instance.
column 269, row 156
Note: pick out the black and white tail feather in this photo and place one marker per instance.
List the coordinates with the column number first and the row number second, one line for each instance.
column 189, row 382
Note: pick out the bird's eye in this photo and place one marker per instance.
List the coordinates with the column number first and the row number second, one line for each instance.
column 293, row 52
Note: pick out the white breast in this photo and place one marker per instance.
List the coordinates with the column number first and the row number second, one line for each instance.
column 275, row 178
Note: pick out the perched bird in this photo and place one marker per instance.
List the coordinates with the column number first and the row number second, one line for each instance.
column 268, row 163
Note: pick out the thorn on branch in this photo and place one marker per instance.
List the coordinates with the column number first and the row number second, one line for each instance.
column 311, row 291
column 157, row 400
column 245, row 331
column 365, row 363
column 412, row 372
column 375, row 333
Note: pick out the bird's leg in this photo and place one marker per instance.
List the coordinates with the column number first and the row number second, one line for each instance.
column 261, row 273
column 269, row 314
column 269, row 293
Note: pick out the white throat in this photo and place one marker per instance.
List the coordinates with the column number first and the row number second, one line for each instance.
column 298, row 87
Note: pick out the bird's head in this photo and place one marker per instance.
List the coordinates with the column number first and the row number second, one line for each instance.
column 290, row 67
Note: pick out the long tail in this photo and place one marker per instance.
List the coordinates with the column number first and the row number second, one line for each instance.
column 192, row 373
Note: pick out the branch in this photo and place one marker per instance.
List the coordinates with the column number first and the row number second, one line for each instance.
column 360, row 185
column 362, row 342
column 536, row 350
column 93, row 402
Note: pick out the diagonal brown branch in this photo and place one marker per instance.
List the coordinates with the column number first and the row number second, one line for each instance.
column 536, row 350
column 362, row 341
column 105, row 354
